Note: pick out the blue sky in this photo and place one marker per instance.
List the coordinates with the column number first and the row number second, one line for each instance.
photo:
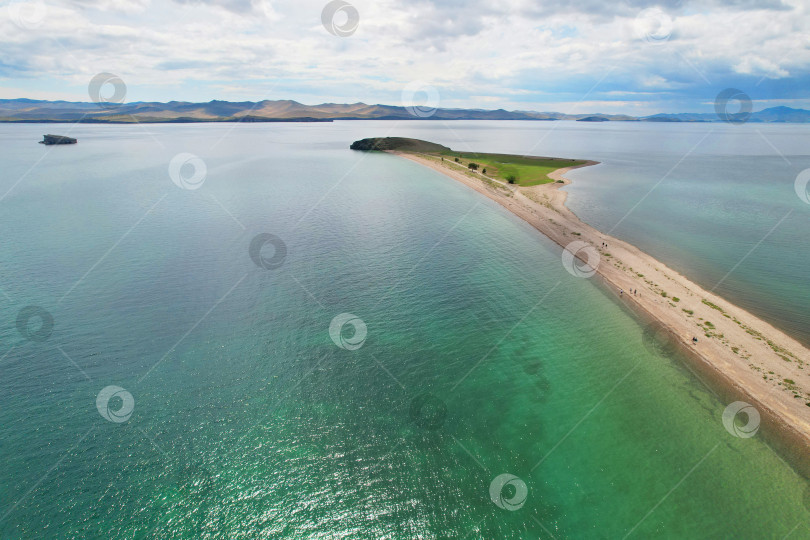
column 636, row 57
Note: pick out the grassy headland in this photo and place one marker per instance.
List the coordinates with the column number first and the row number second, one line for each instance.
column 523, row 171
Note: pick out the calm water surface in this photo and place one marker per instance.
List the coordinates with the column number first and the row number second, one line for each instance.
column 482, row 356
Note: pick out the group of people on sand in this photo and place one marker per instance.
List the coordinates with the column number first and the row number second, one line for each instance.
column 635, row 293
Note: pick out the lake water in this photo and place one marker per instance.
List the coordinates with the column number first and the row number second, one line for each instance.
column 236, row 413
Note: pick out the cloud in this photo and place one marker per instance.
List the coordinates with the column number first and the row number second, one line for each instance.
column 551, row 52
column 123, row 6
column 237, row 6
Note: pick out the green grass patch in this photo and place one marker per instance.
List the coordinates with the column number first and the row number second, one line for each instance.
column 713, row 306
column 524, row 170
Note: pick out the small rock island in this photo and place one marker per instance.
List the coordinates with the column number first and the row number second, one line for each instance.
column 397, row 143
column 57, row 139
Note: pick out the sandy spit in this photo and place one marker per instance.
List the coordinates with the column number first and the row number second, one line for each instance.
column 738, row 356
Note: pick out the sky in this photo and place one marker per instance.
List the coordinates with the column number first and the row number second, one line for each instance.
column 634, row 57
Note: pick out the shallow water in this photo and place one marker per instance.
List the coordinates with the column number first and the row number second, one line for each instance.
column 483, row 356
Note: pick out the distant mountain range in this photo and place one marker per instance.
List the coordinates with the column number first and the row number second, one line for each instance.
column 28, row 110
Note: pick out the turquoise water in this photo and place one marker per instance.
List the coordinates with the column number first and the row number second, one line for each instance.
column 483, row 356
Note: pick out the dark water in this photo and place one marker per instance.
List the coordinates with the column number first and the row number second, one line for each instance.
column 482, row 356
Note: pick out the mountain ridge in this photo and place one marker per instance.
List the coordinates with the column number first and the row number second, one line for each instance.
column 26, row 110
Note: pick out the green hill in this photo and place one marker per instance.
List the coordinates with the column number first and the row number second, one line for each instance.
column 398, row 143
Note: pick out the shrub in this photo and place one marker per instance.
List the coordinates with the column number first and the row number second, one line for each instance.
column 511, row 178
column 472, row 166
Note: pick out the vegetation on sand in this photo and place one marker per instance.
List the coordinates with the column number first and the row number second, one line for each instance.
column 523, row 171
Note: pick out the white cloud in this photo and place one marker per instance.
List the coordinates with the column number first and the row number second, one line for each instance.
column 14, row 93
column 466, row 49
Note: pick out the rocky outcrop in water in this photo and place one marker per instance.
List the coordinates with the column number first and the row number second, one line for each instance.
column 57, row 139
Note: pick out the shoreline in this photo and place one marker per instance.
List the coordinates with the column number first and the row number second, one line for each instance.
column 743, row 357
